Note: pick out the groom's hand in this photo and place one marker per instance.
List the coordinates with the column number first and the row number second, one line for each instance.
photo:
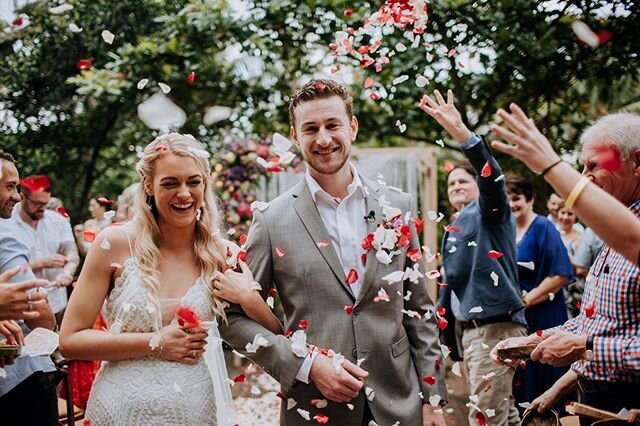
column 432, row 416
column 339, row 385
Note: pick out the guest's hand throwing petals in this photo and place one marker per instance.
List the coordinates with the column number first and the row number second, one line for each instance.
column 526, row 142
column 510, row 343
column 559, row 349
column 446, row 114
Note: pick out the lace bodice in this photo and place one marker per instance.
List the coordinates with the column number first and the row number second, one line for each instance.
column 150, row 390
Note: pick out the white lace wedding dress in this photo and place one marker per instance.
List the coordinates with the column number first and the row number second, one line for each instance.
column 151, row 390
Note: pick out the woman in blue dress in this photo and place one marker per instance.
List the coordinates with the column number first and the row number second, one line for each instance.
column 543, row 269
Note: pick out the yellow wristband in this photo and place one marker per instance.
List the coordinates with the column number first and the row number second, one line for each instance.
column 575, row 192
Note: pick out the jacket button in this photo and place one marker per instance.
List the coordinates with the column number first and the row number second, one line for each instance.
column 356, row 310
column 354, row 352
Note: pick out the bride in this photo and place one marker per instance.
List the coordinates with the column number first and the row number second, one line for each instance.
column 139, row 274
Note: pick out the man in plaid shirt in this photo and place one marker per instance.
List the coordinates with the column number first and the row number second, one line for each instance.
column 603, row 342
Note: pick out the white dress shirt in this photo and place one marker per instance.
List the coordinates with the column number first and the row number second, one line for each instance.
column 51, row 234
column 345, row 223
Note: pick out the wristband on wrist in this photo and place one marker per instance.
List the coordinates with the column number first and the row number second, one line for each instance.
column 576, row 191
column 549, row 167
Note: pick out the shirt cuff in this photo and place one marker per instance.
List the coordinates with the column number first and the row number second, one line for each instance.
column 305, row 368
column 471, row 142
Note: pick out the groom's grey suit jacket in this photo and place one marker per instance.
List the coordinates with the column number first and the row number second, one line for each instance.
column 398, row 351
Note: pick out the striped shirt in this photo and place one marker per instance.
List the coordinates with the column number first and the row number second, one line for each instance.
column 611, row 313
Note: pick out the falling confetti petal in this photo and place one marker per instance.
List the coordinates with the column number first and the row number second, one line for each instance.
column 430, row 380
column 142, row 83
column 105, row 244
column 159, row 112
column 400, row 80
column 486, row 170
column 494, row 278
column 552, row 296
column 279, row 252
column 529, row 265
column 304, row 414
column 434, row 400
column 589, row 310
column 74, row 28
column 164, row 87
column 191, row 77
column 58, row 10
column 370, row 393
column 494, row 254
column 352, row 276
column 475, row 310
column 455, row 369
column 291, row 403
column 107, row 36
column 585, row 34
column 215, row 114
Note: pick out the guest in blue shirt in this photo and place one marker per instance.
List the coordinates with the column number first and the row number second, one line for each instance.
column 544, row 269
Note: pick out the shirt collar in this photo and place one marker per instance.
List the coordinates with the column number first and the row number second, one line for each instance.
column 315, row 188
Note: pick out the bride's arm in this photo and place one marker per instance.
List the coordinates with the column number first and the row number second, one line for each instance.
column 239, row 287
column 78, row 339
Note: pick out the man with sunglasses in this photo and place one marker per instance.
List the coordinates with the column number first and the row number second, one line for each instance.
column 48, row 235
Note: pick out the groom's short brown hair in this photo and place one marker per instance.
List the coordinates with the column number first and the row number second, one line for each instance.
column 318, row 89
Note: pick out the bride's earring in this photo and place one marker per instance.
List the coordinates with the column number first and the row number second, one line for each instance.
column 198, row 214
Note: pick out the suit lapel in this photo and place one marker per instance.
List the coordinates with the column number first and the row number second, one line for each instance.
column 306, row 210
column 371, row 205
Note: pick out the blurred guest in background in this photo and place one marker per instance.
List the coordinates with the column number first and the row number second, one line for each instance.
column 124, row 211
column 52, row 249
column 571, row 238
column 543, row 269
column 101, row 217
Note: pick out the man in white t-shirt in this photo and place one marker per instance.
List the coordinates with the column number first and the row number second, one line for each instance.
column 48, row 235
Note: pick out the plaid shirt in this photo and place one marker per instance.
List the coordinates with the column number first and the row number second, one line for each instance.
column 611, row 313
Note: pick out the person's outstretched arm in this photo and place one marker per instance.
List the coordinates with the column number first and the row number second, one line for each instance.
column 530, row 146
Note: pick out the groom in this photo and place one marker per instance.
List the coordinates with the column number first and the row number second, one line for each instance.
column 373, row 350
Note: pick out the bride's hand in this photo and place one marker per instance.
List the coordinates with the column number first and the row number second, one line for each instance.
column 179, row 345
column 235, row 287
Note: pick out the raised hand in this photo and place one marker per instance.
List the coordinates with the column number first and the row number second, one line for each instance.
column 339, row 385
column 446, row 114
column 526, row 142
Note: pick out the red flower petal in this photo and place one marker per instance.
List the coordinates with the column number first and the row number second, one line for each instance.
column 352, row 276
column 242, row 256
column 442, row 323
column 18, row 21
column 187, row 318
column 608, row 158
column 348, row 309
column 272, row 292
column 35, row 183
column 539, row 333
column 451, row 229
column 448, row 166
column 62, row 212
column 363, row 258
column 366, row 242
column 494, row 254
column 320, row 86
column 486, row 170
column 430, row 380
column 243, row 239
column 418, row 223
column 414, row 254
column 279, row 252
column 589, row 310
column 288, row 333
column 83, row 64
column 480, row 419
column 374, row 96
column 438, row 364
column 302, row 324
column 323, row 243
column 368, row 82
column 191, row 78
column 240, row 378
column 441, row 310
column 348, row 12
column 89, row 236
column 321, row 418
column 104, row 200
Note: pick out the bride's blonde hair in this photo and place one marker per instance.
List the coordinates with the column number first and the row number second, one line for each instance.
column 208, row 248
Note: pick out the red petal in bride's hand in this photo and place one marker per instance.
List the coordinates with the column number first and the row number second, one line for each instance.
column 187, row 318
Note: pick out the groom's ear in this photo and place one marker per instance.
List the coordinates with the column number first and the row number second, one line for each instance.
column 294, row 136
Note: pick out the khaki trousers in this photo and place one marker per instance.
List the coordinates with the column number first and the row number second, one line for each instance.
column 490, row 382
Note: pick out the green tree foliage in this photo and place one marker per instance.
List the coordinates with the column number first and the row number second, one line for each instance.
column 82, row 128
